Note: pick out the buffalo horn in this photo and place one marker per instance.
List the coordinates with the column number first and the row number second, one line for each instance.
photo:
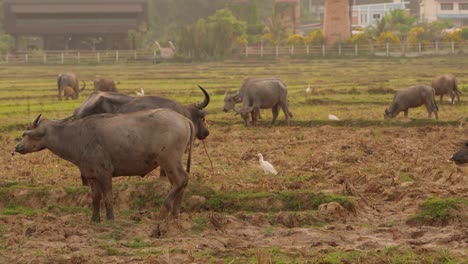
column 36, row 121
column 206, row 101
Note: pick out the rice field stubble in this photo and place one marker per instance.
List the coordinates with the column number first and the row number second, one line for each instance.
column 357, row 190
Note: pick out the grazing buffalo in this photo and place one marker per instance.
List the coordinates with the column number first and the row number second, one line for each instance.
column 104, row 85
column 446, row 84
column 68, row 93
column 461, row 156
column 411, row 97
column 102, row 102
column 256, row 94
column 69, row 79
column 110, row 145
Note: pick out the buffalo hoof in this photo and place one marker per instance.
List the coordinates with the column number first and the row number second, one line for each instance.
column 156, row 232
column 95, row 219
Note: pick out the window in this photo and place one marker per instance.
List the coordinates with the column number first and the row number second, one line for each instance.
column 446, row 6
column 363, row 18
column 376, row 16
column 463, row 6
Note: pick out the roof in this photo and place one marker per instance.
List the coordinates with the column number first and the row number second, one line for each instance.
column 76, row 8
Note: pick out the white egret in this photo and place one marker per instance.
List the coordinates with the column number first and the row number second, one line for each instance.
column 332, row 117
column 308, row 90
column 141, row 92
column 266, row 166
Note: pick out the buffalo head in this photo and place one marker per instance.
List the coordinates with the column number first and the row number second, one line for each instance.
column 33, row 138
column 388, row 114
column 461, row 156
column 198, row 114
column 230, row 101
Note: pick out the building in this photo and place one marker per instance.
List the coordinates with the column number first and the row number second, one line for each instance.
column 366, row 15
column 456, row 10
column 73, row 24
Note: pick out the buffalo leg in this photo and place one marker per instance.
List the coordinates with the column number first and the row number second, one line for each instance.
column 96, row 195
column 255, row 112
column 441, row 99
column 107, row 193
column 286, row 112
column 406, row 113
column 182, row 180
column 275, row 112
column 179, row 179
column 452, row 96
column 60, row 94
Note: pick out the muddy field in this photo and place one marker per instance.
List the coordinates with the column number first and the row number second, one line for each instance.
column 361, row 190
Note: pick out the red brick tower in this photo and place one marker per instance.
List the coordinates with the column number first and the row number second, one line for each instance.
column 336, row 25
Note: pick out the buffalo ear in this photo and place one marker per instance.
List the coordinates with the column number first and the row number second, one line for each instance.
column 36, row 121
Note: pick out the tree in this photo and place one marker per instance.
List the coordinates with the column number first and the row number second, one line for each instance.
column 275, row 32
column 140, row 38
column 396, row 22
column 7, row 43
column 216, row 36
column 224, row 31
column 315, row 37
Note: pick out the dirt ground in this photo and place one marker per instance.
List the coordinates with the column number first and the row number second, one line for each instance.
column 387, row 172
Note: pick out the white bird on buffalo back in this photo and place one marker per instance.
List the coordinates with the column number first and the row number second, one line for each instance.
column 266, row 166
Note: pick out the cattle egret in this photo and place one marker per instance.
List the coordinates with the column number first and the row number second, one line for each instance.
column 266, row 166
column 332, row 117
column 141, row 92
column 308, row 90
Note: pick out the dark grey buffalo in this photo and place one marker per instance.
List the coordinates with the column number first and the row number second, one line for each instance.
column 256, row 94
column 109, row 145
column 461, row 156
column 411, row 97
column 69, row 79
column 105, row 85
column 446, row 84
column 102, row 102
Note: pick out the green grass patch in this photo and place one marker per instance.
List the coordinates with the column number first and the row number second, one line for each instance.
column 20, row 210
column 199, row 224
column 76, row 190
column 406, row 177
column 138, row 243
column 439, row 210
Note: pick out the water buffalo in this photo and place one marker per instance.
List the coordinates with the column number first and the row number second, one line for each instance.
column 256, row 94
column 102, row 102
column 104, row 85
column 68, row 92
column 461, row 156
column 110, row 145
column 446, row 84
column 411, row 97
column 69, row 79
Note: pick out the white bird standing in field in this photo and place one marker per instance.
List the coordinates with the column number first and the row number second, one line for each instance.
column 332, row 117
column 141, row 92
column 266, row 166
column 308, row 90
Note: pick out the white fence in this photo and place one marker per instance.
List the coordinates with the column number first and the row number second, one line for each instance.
column 80, row 57
column 251, row 52
column 387, row 49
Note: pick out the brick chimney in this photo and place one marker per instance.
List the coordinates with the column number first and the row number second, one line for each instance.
column 336, row 25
